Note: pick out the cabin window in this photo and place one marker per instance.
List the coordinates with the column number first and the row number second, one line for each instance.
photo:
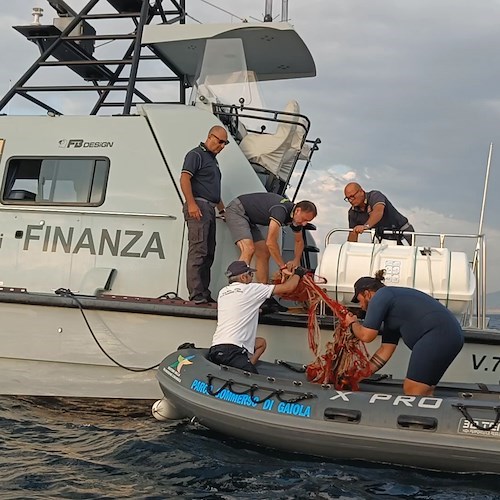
column 61, row 181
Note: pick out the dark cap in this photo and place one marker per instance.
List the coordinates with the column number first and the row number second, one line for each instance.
column 238, row 267
column 364, row 283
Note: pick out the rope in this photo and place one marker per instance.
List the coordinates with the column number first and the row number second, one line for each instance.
column 252, row 389
column 344, row 361
column 464, row 411
column 300, row 369
column 65, row 292
column 414, row 277
column 449, row 280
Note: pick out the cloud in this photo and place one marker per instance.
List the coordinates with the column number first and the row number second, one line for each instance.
column 406, row 101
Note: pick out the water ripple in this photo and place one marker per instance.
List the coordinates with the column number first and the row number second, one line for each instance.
column 55, row 448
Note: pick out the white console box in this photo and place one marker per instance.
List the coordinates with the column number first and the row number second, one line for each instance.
column 439, row 272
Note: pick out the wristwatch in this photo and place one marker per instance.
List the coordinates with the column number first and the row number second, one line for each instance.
column 366, row 226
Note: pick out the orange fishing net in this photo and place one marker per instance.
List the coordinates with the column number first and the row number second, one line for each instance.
column 344, row 362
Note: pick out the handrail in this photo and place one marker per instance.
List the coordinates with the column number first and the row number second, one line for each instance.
column 478, row 269
column 229, row 114
column 414, row 234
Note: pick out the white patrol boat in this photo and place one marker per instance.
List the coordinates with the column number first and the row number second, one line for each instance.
column 93, row 240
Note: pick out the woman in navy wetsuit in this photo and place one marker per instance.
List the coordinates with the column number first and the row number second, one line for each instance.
column 427, row 327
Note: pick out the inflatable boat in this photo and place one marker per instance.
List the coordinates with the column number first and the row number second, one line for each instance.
column 456, row 430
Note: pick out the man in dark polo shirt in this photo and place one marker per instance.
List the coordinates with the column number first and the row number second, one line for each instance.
column 273, row 210
column 372, row 209
column 201, row 186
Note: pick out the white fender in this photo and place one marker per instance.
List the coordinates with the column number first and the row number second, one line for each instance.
column 163, row 410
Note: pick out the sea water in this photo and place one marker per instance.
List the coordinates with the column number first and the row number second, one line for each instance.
column 59, row 448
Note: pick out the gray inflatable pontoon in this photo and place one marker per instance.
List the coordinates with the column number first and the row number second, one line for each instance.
column 456, row 430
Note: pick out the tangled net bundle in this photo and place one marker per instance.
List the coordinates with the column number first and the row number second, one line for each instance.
column 344, row 362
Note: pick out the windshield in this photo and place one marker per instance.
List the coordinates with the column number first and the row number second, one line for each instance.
column 223, row 77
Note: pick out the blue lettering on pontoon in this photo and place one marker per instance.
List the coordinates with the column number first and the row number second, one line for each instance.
column 226, row 394
column 199, row 386
column 295, row 409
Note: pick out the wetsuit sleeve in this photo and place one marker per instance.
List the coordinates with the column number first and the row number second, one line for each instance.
column 378, row 309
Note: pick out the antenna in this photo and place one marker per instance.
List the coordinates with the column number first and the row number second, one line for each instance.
column 37, row 14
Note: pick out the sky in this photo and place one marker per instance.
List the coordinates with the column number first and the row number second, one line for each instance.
column 406, row 101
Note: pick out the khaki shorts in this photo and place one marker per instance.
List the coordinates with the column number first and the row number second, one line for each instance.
column 239, row 224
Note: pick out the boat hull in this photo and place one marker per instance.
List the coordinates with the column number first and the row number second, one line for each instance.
column 47, row 335
column 377, row 424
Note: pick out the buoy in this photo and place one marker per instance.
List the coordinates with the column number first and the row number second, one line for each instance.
column 163, row 410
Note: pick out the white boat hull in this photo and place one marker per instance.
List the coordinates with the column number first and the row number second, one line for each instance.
column 50, row 351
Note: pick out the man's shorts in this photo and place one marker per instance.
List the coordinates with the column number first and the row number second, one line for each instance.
column 231, row 355
column 239, row 224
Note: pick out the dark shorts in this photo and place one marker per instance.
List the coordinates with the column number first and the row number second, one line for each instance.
column 231, row 355
column 434, row 352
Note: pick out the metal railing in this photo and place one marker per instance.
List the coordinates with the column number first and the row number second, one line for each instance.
column 477, row 262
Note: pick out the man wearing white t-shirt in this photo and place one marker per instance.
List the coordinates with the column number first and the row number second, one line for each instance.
column 235, row 342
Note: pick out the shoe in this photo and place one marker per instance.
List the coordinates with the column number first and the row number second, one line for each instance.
column 204, row 300
column 271, row 305
column 200, row 300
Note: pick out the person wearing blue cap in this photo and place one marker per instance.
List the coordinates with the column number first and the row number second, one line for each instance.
column 235, row 342
column 428, row 328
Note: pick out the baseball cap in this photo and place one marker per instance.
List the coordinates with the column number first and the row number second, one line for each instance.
column 238, row 267
column 364, row 283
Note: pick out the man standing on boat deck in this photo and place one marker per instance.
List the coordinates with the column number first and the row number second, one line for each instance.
column 428, row 328
column 235, row 342
column 273, row 210
column 372, row 209
column 201, row 186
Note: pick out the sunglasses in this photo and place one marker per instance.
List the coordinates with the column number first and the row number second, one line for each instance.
column 221, row 141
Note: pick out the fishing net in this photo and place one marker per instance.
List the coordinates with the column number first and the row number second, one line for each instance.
column 344, row 360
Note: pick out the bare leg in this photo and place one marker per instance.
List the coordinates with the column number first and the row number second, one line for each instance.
column 260, row 347
column 247, row 249
column 262, row 261
column 412, row 388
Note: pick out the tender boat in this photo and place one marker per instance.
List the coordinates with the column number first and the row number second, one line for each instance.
column 456, row 430
column 93, row 239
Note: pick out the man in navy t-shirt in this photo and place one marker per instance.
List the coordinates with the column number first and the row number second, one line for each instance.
column 247, row 211
column 372, row 209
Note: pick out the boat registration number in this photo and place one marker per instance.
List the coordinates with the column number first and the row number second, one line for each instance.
column 480, row 427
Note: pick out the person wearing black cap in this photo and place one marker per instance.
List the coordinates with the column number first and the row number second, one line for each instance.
column 427, row 327
column 235, row 342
